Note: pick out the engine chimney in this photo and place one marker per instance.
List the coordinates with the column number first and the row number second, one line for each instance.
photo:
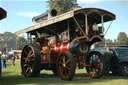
column 44, row 16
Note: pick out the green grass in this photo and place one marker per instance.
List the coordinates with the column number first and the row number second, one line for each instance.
column 11, row 76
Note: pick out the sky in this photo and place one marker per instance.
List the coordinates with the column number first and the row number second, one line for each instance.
column 21, row 12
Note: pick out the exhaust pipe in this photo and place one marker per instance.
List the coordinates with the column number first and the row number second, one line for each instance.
column 44, row 16
column 53, row 12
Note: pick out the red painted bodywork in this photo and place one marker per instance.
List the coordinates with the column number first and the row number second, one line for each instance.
column 54, row 51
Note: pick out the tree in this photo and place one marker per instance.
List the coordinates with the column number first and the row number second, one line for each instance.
column 61, row 6
column 8, row 41
column 122, row 38
column 20, row 42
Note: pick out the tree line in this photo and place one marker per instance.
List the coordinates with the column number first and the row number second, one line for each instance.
column 122, row 38
column 9, row 41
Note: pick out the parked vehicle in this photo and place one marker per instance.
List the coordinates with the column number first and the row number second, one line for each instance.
column 119, row 62
column 61, row 43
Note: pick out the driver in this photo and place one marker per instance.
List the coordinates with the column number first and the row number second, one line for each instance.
column 95, row 27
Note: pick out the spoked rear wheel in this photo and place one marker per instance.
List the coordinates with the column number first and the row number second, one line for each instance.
column 30, row 61
column 95, row 65
column 66, row 66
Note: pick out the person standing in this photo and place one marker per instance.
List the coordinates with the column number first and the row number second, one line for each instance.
column 4, row 60
column 107, row 58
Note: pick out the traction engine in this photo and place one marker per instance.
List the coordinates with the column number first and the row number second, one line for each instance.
column 62, row 43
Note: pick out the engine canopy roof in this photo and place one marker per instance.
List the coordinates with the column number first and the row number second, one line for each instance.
column 57, row 23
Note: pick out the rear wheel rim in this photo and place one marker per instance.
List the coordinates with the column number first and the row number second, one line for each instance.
column 94, row 66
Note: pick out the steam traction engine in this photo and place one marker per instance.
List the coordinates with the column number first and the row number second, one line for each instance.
column 61, row 43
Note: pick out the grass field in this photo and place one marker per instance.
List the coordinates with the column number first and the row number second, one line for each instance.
column 11, row 76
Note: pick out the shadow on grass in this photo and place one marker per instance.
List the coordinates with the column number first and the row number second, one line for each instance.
column 51, row 79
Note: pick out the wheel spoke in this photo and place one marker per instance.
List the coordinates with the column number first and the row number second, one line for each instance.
column 29, row 54
column 28, row 69
column 25, row 65
column 65, row 71
column 67, row 61
column 63, row 59
column 32, row 55
column 25, row 58
column 25, row 52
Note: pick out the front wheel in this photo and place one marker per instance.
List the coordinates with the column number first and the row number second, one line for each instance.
column 66, row 66
column 95, row 65
column 30, row 61
column 124, row 70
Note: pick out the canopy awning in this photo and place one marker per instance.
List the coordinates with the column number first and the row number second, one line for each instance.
column 92, row 13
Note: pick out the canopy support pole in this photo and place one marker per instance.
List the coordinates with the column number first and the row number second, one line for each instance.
column 108, row 28
column 68, row 30
column 102, row 20
column 86, row 24
column 79, row 26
